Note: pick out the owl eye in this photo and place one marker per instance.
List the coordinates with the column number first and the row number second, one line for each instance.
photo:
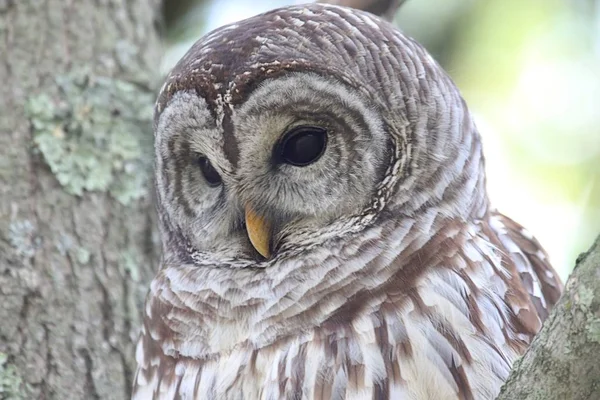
column 303, row 145
column 210, row 173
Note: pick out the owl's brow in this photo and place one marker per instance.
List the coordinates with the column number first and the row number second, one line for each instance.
column 230, row 145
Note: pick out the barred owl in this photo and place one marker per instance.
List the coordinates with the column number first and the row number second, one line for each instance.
column 325, row 224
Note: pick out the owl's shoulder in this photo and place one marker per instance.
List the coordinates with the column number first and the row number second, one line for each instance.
column 531, row 262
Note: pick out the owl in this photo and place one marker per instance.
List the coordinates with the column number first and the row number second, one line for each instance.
column 325, row 225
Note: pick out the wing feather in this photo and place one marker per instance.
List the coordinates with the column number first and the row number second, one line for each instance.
column 531, row 261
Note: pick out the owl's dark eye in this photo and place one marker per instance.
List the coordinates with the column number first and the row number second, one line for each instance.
column 210, row 173
column 303, row 145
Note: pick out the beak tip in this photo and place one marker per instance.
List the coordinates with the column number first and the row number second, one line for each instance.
column 265, row 254
column 259, row 232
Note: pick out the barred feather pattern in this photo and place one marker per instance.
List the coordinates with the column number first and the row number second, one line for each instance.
column 426, row 293
column 441, row 317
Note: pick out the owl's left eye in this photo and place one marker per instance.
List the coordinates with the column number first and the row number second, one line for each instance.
column 210, row 173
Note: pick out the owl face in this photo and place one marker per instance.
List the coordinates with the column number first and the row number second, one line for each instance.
column 301, row 152
column 303, row 124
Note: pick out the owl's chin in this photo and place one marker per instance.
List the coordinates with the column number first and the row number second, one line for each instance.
column 235, row 249
column 253, row 255
column 248, row 245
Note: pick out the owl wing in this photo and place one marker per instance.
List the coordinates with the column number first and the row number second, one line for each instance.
column 538, row 277
column 496, row 276
column 149, row 357
column 156, row 376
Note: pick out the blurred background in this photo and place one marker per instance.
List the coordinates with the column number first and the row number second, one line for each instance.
column 530, row 72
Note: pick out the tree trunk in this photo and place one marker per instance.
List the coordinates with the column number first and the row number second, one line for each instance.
column 563, row 361
column 77, row 247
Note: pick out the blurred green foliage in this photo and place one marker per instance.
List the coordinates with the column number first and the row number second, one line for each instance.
column 530, row 72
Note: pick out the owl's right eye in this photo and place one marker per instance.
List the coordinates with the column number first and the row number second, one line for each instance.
column 210, row 173
column 303, row 145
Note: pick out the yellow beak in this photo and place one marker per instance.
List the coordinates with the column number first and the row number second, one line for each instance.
column 259, row 232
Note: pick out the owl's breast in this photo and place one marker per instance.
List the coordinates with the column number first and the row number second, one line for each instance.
column 450, row 330
column 427, row 347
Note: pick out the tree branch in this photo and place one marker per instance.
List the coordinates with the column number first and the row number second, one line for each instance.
column 563, row 361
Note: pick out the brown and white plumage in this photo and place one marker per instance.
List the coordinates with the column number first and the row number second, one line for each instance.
column 390, row 276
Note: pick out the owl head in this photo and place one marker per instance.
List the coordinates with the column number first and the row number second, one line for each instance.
column 300, row 126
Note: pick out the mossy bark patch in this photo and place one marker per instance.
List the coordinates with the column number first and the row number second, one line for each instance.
column 12, row 386
column 96, row 135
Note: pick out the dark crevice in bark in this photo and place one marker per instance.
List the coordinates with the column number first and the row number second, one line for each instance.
column 90, row 385
column 46, row 393
column 66, row 14
column 24, row 316
column 127, row 371
column 107, row 312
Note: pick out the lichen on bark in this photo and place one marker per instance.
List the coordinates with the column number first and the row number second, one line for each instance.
column 12, row 386
column 94, row 135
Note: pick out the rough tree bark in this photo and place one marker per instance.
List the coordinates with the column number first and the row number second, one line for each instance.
column 76, row 243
